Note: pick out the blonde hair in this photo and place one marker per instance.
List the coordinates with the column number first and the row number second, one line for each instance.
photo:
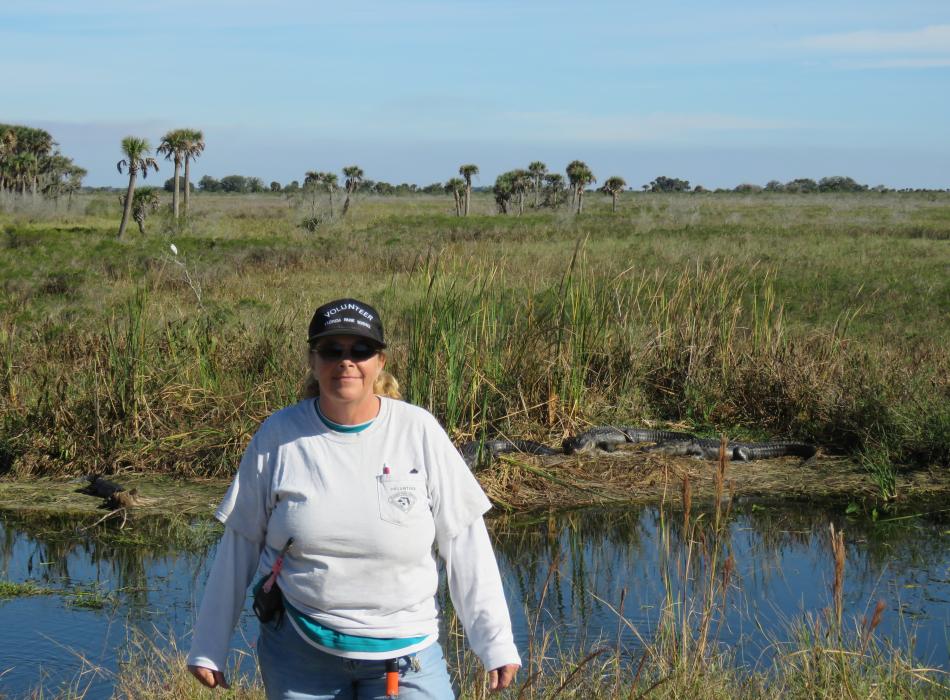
column 386, row 385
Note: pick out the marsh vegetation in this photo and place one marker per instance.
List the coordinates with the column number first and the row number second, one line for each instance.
column 820, row 318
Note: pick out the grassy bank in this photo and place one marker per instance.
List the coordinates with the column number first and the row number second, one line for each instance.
column 818, row 318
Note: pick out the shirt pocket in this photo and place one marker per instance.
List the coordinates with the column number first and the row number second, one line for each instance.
column 402, row 501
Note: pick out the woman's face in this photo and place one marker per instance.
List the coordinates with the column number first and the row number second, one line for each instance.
column 342, row 368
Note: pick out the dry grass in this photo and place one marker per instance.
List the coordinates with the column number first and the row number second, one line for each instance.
column 746, row 315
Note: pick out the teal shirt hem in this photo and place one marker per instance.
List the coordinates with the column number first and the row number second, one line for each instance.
column 331, row 639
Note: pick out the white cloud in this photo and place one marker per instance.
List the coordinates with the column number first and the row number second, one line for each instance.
column 633, row 128
column 897, row 63
column 931, row 39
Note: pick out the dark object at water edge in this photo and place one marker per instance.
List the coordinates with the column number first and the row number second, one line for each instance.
column 115, row 495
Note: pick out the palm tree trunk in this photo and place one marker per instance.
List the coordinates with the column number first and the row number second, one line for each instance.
column 458, row 203
column 128, row 203
column 520, row 203
column 346, row 204
column 614, row 196
column 331, row 203
column 537, row 193
column 573, row 197
column 580, row 199
column 187, row 183
column 468, row 196
column 175, row 191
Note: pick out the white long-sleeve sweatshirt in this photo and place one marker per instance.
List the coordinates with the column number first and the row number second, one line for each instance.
column 364, row 510
column 471, row 569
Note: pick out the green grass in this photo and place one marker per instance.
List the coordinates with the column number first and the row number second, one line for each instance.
column 9, row 589
column 820, row 318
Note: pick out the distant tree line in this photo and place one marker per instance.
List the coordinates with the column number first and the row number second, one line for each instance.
column 229, row 183
column 835, row 183
column 31, row 164
column 802, row 185
column 244, row 184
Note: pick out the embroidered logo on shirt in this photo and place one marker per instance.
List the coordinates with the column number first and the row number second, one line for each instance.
column 403, row 501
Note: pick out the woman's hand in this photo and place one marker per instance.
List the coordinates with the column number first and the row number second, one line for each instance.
column 501, row 677
column 209, row 678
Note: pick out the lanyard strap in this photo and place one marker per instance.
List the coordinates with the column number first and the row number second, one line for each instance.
column 278, row 565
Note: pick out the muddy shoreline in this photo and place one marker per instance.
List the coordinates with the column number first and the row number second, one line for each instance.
column 520, row 484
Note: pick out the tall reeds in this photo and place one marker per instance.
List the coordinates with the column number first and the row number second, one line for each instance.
column 489, row 353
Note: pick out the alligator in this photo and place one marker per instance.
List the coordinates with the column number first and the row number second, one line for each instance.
column 475, row 451
column 609, row 438
column 702, row 448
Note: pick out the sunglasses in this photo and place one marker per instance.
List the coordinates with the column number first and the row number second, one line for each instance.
column 334, row 352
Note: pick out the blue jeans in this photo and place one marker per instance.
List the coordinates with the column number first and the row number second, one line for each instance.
column 294, row 670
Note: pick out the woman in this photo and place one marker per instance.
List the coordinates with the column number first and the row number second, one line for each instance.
column 355, row 487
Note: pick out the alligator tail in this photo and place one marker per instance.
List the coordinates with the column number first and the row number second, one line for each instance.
column 769, row 450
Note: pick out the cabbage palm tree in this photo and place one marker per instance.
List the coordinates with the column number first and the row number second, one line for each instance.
column 574, row 170
column 37, row 144
column 73, row 183
column 613, row 186
column 19, row 168
column 144, row 202
column 457, row 187
column 354, row 176
column 586, row 178
column 467, row 171
column 54, row 171
column 8, row 149
column 137, row 159
column 520, row 183
column 194, row 147
column 538, row 170
column 554, row 184
column 580, row 176
column 503, row 190
column 311, row 180
column 329, row 180
column 29, row 171
column 174, row 145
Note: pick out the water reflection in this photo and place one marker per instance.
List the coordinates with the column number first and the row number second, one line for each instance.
column 107, row 582
column 574, row 571
column 568, row 576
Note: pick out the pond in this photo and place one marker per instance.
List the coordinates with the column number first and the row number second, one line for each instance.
column 568, row 576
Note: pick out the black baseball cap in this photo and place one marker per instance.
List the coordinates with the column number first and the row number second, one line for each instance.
column 347, row 317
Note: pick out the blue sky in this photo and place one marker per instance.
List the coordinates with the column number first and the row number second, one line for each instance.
column 718, row 93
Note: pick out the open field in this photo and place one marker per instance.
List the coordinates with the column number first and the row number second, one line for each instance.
column 812, row 317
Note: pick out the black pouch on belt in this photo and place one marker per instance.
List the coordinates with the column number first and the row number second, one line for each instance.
column 268, row 605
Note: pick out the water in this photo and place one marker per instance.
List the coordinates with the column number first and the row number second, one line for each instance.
column 579, row 566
